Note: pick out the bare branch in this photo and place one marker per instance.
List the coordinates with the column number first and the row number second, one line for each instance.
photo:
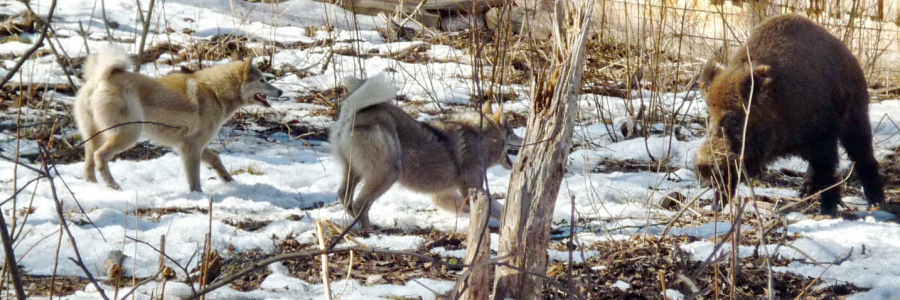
column 37, row 45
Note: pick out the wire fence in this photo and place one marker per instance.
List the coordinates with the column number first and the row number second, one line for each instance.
column 698, row 29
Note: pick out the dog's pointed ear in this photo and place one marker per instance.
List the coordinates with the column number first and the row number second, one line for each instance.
column 486, row 108
column 246, row 67
column 499, row 117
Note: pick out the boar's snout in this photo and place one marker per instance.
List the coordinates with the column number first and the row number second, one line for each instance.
column 712, row 155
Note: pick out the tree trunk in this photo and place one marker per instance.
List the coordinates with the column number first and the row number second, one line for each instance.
column 533, row 189
column 475, row 283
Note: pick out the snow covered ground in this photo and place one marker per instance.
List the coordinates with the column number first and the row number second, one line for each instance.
column 295, row 177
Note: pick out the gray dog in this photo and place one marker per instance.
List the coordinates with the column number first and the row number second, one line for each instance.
column 379, row 144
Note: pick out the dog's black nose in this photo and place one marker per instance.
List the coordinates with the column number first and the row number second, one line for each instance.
column 279, row 93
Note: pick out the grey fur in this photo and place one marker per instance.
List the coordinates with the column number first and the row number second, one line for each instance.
column 378, row 144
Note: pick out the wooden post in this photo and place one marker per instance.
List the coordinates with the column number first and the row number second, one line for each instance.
column 475, row 284
column 536, row 178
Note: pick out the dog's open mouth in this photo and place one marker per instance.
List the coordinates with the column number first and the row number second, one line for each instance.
column 262, row 99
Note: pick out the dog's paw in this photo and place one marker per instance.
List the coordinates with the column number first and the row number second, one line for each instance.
column 114, row 186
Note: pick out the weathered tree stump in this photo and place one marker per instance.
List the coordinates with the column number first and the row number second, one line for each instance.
column 475, row 284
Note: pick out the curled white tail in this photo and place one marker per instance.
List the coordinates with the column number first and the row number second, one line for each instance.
column 375, row 90
column 101, row 64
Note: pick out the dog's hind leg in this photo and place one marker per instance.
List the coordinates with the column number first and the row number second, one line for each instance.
column 376, row 156
column 118, row 140
column 374, row 185
column 88, row 130
column 347, row 189
column 90, row 147
column 212, row 159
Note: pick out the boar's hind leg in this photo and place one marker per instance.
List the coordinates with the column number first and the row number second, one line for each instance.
column 857, row 140
column 823, row 160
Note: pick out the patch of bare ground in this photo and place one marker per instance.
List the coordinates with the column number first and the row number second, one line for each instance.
column 890, row 174
column 247, row 224
column 154, row 214
column 39, row 286
column 648, row 264
column 366, row 267
column 607, row 165
column 265, row 127
column 240, row 260
column 651, row 265
column 143, row 151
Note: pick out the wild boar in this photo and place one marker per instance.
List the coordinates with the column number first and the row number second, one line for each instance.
column 798, row 90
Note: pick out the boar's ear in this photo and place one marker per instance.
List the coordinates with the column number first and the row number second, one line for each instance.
column 762, row 72
column 759, row 80
column 712, row 68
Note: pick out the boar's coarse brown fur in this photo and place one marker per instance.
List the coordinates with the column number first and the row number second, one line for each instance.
column 805, row 92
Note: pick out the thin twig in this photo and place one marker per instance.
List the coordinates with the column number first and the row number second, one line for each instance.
column 310, row 253
column 184, row 269
column 37, row 44
column 105, row 20
column 62, row 220
column 719, row 245
column 570, row 246
column 146, row 28
column 320, row 232
column 139, row 284
column 815, row 280
column 12, row 266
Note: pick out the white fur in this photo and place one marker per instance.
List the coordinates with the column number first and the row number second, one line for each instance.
column 375, row 90
column 107, row 60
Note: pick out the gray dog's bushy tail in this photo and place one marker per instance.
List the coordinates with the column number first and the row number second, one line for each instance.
column 99, row 66
column 375, row 90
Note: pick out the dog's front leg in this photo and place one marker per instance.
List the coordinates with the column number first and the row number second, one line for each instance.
column 191, row 157
column 496, row 209
column 451, row 200
column 212, row 159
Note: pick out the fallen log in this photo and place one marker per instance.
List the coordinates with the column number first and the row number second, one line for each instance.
column 429, row 14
